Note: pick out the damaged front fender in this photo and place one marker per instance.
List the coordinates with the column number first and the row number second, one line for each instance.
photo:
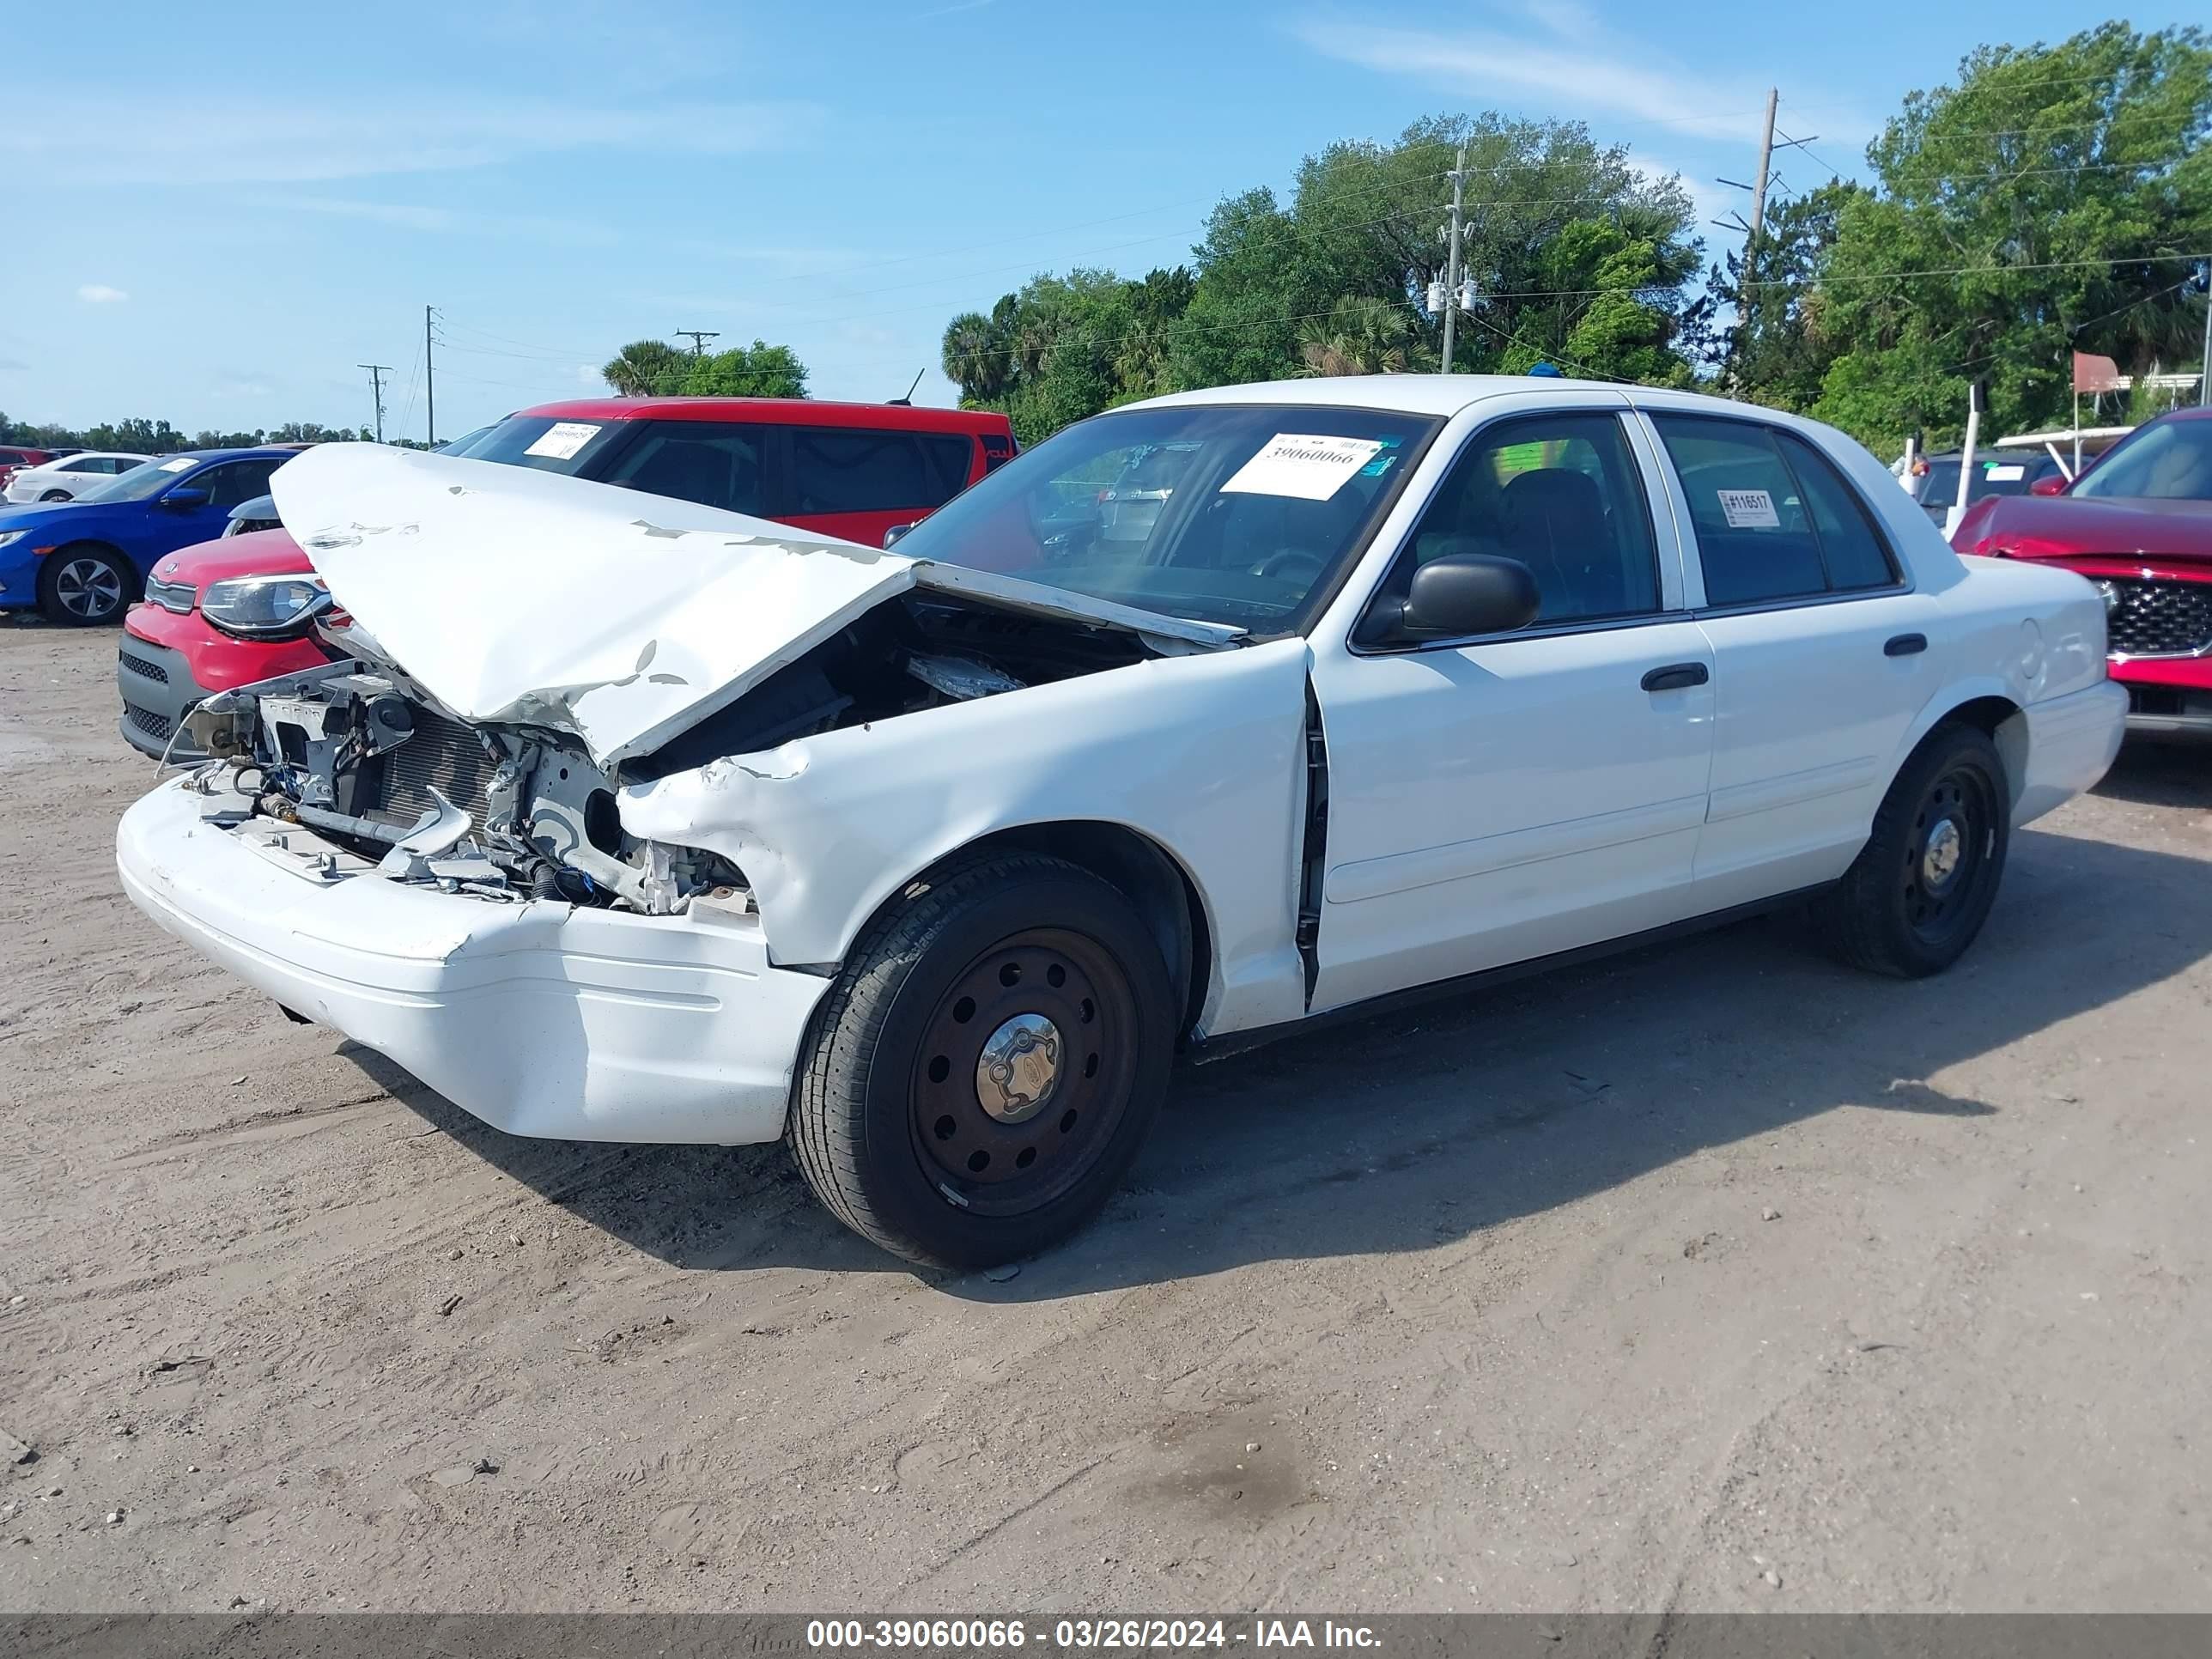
column 1203, row 755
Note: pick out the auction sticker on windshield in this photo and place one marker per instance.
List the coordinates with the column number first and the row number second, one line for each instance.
column 1749, row 509
column 561, row 441
column 1298, row 464
column 183, row 463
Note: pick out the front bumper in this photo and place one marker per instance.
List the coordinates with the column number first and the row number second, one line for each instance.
column 542, row 1018
column 158, row 692
column 2168, row 694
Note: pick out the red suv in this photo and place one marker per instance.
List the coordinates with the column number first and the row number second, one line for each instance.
column 227, row 612
column 2137, row 523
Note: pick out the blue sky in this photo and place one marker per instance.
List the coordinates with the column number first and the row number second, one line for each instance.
column 218, row 211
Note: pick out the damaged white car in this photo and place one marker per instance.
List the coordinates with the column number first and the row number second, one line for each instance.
column 629, row 820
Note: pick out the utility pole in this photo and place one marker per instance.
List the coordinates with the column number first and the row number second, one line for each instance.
column 698, row 336
column 1451, row 257
column 376, row 373
column 429, row 380
column 1766, row 160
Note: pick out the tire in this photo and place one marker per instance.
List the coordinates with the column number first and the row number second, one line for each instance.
column 937, row 1013
column 55, row 495
column 84, row 584
column 1919, row 892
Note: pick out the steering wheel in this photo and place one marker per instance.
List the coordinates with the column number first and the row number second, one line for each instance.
column 1273, row 564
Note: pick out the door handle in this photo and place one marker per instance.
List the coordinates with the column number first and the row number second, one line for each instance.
column 1676, row 676
column 1905, row 645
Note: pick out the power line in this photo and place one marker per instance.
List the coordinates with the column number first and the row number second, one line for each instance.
column 698, row 336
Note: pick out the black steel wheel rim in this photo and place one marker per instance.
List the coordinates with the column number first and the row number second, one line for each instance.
column 1950, row 853
column 979, row 1160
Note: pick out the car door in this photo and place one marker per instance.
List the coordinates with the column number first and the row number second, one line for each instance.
column 1820, row 646
column 1496, row 799
column 220, row 486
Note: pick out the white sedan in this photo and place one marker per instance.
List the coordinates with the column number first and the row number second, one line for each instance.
column 71, row 476
column 630, row 820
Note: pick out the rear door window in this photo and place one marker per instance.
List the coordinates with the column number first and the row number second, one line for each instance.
column 1774, row 520
column 851, row 469
column 715, row 463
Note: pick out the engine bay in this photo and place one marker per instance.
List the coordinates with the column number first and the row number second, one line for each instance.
column 365, row 759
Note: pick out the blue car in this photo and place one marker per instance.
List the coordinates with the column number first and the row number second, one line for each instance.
column 84, row 562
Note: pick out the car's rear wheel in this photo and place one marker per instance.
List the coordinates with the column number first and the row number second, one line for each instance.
column 1921, row 889
column 84, row 584
column 986, row 1064
column 55, row 495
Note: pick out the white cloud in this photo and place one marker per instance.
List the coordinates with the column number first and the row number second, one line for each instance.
column 224, row 138
column 588, row 375
column 99, row 293
column 1592, row 73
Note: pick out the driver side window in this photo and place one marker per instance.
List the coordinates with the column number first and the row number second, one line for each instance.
column 1560, row 494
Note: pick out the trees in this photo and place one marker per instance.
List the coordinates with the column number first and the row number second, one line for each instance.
column 1066, row 347
column 760, row 370
column 636, row 370
column 654, row 369
column 1778, row 352
column 2062, row 184
column 1581, row 258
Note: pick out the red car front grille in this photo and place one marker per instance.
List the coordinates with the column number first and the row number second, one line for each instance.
column 2150, row 617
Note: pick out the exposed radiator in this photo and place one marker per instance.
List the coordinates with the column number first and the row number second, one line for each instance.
column 441, row 753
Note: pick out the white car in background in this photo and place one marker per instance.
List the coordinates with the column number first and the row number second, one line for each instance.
column 635, row 820
column 67, row 478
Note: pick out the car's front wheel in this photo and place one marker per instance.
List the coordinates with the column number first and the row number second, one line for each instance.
column 1920, row 890
column 987, row 1063
column 84, row 584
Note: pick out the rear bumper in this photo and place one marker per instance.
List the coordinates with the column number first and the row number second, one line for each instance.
column 541, row 1018
column 2071, row 744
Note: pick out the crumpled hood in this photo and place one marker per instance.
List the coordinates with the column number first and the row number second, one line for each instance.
column 2047, row 526
column 516, row 596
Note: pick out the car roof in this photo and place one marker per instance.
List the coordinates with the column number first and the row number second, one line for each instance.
column 256, row 452
column 774, row 412
column 1421, row 394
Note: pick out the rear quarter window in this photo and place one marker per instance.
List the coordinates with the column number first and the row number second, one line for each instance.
column 854, row 470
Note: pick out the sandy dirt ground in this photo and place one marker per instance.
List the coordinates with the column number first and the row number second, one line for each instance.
column 1716, row 1277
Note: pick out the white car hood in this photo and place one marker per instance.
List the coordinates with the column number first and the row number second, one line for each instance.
column 513, row 595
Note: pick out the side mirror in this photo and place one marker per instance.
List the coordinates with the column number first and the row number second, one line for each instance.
column 2050, row 485
column 895, row 533
column 185, row 496
column 1457, row 595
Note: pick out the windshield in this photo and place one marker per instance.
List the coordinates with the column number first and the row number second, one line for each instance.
column 141, row 482
column 2169, row 461
column 1219, row 514
column 539, row 441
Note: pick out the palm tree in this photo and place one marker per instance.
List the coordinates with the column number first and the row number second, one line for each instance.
column 642, row 367
column 974, row 356
column 1359, row 336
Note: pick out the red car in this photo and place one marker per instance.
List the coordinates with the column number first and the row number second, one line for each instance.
column 225, row 613
column 2138, row 524
column 14, row 455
